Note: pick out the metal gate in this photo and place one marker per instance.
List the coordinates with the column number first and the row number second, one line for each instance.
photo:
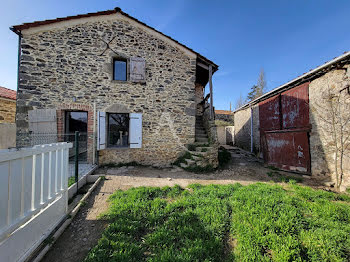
column 284, row 129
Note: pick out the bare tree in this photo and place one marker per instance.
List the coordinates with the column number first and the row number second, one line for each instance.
column 333, row 110
column 259, row 89
column 261, row 83
column 239, row 101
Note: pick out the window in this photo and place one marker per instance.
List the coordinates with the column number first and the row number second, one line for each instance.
column 118, row 130
column 76, row 121
column 119, row 69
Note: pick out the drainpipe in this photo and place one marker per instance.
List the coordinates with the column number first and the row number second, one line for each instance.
column 94, row 137
column 19, row 57
column 251, row 130
column 19, row 52
column 211, row 92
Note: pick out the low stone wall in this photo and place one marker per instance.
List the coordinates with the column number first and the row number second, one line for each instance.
column 224, row 117
column 7, row 135
column 242, row 129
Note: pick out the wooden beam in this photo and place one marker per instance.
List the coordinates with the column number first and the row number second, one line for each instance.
column 202, row 65
column 211, row 92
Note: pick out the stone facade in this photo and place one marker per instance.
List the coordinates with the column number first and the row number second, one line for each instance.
column 62, row 65
column 7, row 110
column 322, row 145
column 242, row 137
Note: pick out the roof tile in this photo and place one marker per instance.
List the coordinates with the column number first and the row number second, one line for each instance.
column 7, row 93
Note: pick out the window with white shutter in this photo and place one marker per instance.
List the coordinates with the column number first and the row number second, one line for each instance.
column 135, row 130
column 137, row 69
column 101, row 135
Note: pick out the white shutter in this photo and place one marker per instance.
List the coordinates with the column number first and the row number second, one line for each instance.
column 137, row 69
column 101, row 131
column 135, row 130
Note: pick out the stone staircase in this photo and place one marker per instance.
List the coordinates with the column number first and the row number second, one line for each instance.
column 200, row 133
column 198, row 155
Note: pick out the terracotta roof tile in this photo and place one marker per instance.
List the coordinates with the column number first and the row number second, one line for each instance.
column 223, row 112
column 7, row 93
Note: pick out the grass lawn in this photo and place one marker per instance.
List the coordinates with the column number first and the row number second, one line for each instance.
column 259, row 222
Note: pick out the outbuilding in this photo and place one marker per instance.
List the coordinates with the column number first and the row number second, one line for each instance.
column 303, row 125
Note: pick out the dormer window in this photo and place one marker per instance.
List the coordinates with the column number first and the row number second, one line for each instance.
column 119, row 69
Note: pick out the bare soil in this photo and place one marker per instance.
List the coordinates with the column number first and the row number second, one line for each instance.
column 86, row 229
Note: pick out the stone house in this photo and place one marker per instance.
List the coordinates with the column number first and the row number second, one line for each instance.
column 7, row 105
column 132, row 91
column 303, row 125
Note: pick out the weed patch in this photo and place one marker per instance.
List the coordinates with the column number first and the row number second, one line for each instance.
column 224, row 157
column 71, row 181
column 259, row 222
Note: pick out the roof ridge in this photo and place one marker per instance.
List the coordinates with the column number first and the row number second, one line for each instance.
column 18, row 28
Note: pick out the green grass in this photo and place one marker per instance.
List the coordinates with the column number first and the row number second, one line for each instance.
column 282, row 178
column 259, row 222
column 71, row 181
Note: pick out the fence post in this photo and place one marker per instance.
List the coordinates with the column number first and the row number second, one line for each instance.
column 76, row 158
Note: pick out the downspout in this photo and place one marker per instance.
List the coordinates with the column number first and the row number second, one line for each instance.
column 94, row 137
column 251, row 130
column 19, row 52
column 211, row 92
column 18, row 67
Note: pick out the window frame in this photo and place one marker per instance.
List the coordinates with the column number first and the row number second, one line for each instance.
column 121, row 59
column 108, row 144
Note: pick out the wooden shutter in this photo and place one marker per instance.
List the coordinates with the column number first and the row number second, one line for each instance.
column 42, row 121
column 135, row 130
column 101, row 131
column 137, row 69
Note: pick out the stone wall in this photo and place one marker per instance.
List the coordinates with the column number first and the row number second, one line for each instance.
column 322, row 143
column 199, row 98
column 7, row 135
column 7, row 110
column 242, row 129
column 63, row 63
column 224, row 117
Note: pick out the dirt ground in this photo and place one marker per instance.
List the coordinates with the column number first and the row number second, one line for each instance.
column 85, row 230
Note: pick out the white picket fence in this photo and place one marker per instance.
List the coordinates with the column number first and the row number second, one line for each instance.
column 33, row 188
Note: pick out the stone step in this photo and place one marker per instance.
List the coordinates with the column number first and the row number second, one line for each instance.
column 190, row 162
column 202, row 139
column 199, row 149
column 183, row 165
column 197, row 158
column 194, row 153
column 201, row 136
column 200, row 131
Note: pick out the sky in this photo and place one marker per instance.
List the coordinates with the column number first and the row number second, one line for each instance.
column 285, row 38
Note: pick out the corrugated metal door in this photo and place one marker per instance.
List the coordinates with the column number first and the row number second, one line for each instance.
column 284, row 128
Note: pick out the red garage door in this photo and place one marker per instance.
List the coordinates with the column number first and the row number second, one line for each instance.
column 284, row 128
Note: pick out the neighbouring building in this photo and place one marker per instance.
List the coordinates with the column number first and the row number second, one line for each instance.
column 132, row 92
column 7, row 105
column 303, row 125
column 7, row 118
column 224, row 115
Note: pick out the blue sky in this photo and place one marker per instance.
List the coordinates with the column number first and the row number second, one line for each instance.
column 286, row 38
